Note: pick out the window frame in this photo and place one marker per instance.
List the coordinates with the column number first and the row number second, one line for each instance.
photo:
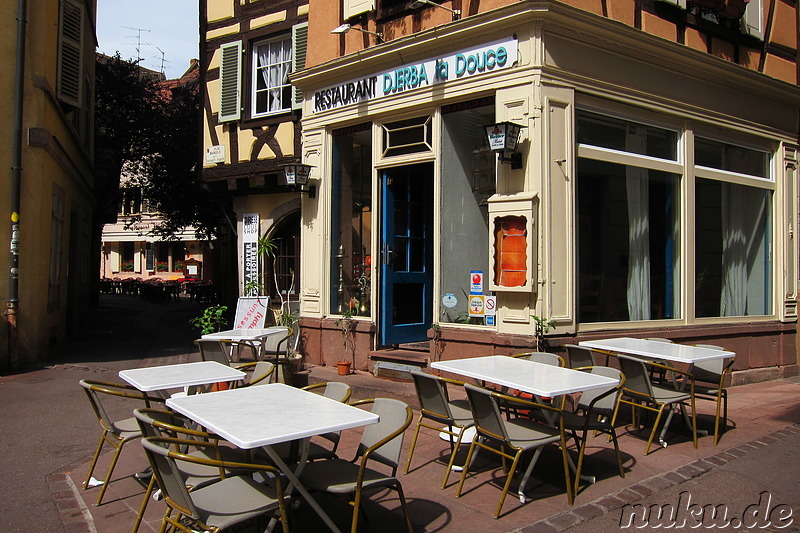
column 255, row 71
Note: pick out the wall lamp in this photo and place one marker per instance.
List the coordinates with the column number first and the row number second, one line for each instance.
column 503, row 137
column 296, row 175
column 344, row 28
column 421, row 3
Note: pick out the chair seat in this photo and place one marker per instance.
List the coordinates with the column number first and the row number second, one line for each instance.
column 127, row 428
column 461, row 413
column 233, row 500
column 524, row 433
column 283, row 449
column 669, row 394
column 575, row 421
column 338, row 476
column 193, row 471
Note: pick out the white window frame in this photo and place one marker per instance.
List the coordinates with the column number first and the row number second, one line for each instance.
column 257, row 71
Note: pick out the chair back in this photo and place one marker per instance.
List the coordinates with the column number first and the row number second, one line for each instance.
column 159, row 423
column 168, row 475
column 261, row 371
column 95, row 389
column 602, row 401
column 383, row 441
column 338, row 391
column 486, row 413
column 546, row 358
column 277, row 343
column 432, row 396
column 711, row 371
column 580, row 356
column 213, row 350
column 637, row 377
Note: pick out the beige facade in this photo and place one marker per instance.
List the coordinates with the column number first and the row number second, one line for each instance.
column 644, row 143
column 57, row 175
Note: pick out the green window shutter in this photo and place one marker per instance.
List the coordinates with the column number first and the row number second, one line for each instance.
column 299, row 46
column 230, row 80
column 70, row 56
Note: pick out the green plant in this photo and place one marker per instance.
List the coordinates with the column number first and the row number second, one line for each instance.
column 211, row 320
column 161, row 266
column 127, row 266
column 347, row 324
column 541, row 326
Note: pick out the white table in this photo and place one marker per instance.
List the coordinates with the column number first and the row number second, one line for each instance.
column 244, row 335
column 155, row 378
column 270, row 414
column 527, row 376
column 670, row 351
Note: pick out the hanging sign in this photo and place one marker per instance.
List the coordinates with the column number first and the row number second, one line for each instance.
column 250, row 225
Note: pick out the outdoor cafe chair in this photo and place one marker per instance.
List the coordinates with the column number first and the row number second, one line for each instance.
column 594, row 410
column 580, row 356
column 218, row 506
column 641, row 391
column 214, row 350
column 161, row 423
column 711, row 375
column 380, row 443
column 115, row 432
column 545, row 358
column 511, row 438
column 436, row 405
column 260, row 373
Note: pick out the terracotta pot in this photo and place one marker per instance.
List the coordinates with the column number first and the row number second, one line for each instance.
column 343, row 367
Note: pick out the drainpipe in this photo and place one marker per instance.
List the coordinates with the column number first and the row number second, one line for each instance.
column 12, row 306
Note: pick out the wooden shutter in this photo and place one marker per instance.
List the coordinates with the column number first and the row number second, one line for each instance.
column 351, row 8
column 70, row 57
column 299, row 46
column 752, row 21
column 230, row 80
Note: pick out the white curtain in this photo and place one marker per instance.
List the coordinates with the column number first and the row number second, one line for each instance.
column 638, row 190
column 274, row 61
column 733, row 301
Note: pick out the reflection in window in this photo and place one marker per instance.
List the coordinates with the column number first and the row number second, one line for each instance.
column 627, row 243
column 627, row 136
column 351, row 264
column 731, row 158
column 733, row 250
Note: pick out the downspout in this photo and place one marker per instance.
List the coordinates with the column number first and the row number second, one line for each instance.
column 12, row 306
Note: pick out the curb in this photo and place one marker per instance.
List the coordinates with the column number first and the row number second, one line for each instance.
column 614, row 501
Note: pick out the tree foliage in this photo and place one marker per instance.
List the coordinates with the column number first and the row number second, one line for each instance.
column 152, row 132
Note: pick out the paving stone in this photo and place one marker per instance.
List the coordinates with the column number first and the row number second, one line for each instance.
column 641, row 489
column 716, row 460
column 563, row 521
column 702, row 465
column 588, row 511
column 609, row 503
column 540, row 527
column 674, row 478
column 658, row 483
column 689, row 471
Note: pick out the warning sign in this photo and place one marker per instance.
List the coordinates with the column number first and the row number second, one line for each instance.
column 490, row 306
column 476, row 305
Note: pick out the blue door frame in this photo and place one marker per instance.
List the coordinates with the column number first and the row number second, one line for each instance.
column 406, row 281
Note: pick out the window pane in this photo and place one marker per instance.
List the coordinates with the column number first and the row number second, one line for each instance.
column 351, row 269
column 271, row 66
column 626, row 136
column 407, row 136
column 713, row 154
column 628, row 237
column 733, row 250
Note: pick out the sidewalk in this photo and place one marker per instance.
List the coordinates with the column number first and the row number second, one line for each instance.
column 759, row 453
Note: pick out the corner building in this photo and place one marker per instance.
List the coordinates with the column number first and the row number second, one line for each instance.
column 656, row 194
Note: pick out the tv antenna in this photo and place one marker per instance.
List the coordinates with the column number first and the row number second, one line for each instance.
column 163, row 61
column 139, row 42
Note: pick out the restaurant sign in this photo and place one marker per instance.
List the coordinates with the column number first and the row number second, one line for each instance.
column 461, row 65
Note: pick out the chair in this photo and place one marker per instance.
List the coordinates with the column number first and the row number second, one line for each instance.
column 520, row 435
column 116, row 433
column 593, row 412
column 217, row 506
column 160, row 423
column 275, row 345
column 382, row 443
column 580, row 356
column 546, row 358
column 436, row 405
column 213, row 350
column 260, row 373
column 711, row 375
column 639, row 387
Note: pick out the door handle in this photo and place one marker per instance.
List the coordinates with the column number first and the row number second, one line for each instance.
column 386, row 258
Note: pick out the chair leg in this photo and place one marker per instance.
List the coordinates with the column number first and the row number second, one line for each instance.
column 508, row 483
column 567, row 480
column 527, row 474
column 467, row 464
column 413, row 445
column 399, row 489
column 356, row 508
column 655, row 428
column 453, row 457
column 619, row 455
column 579, row 466
column 110, row 470
column 720, row 396
column 94, row 460
column 142, row 507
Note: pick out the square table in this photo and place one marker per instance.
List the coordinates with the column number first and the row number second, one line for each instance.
column 244, row 335
column 527, row 376
column 670, row 351
column 153, row 378
column 270, row 414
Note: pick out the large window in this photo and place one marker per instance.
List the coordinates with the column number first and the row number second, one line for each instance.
column 352, row 220
column 272, row 62
column 630, row 180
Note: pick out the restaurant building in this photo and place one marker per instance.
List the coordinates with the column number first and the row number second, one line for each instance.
column 653, row 191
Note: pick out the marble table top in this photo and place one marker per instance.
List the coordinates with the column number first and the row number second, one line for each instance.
column 154, row 378
column 679, row 353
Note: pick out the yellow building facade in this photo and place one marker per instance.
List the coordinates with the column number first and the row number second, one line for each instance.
column 49, row 227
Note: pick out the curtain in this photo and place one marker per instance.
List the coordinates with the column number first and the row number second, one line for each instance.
column 733, row 301
column 638, row 192
column 274, row 61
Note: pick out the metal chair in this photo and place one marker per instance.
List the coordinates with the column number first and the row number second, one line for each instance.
column 546, row 358
column 712, row 375
column 260, row 373
column 214, row 350
column 520, row 435
column 115, row 432
column 641, row 391
column 217, row 506
column 436, row 405
column 580, row 356
column 382, row 443
column 593, row 413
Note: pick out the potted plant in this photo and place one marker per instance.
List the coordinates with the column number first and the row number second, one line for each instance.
column 347, row 324
column 211, row 320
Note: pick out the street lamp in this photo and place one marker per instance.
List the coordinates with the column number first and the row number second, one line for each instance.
column 503, row 137
column 296, row 175
column 344, row 28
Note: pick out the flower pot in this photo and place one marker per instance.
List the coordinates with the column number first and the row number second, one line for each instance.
column 343, row 368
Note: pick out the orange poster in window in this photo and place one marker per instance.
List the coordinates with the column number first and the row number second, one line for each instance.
column 511, row 251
